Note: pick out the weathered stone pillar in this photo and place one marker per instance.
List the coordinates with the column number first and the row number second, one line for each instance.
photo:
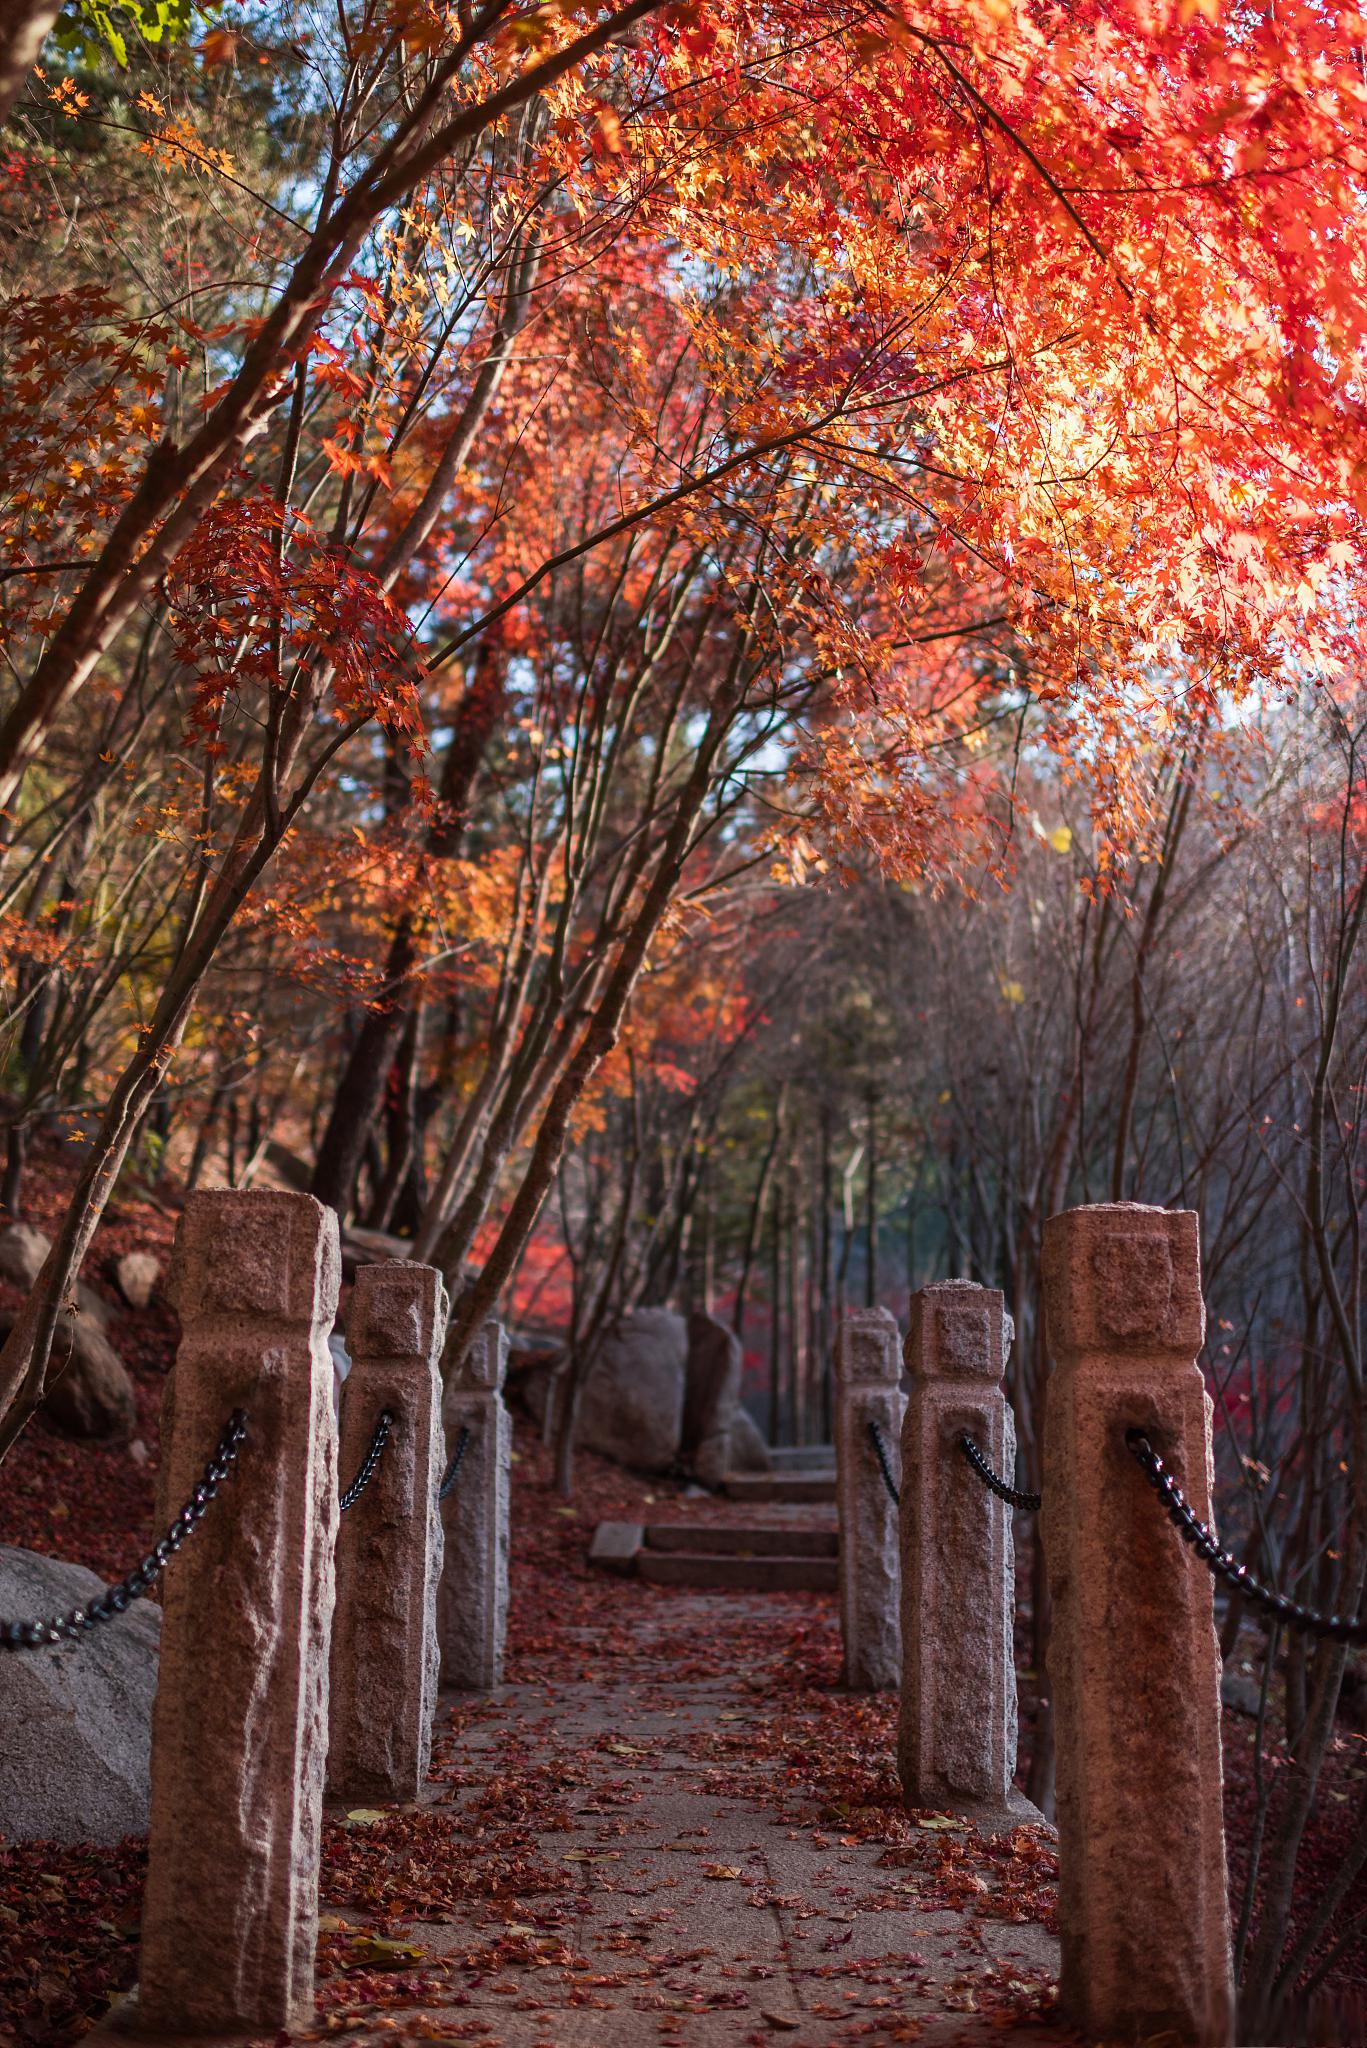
column 389, row 1544
column 956, row 1738
column 239, row 1734
column 472, row 1604
column 868, row 1372
column 1134, row 1664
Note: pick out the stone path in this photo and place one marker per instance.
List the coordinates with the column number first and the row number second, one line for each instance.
column 714, row 1906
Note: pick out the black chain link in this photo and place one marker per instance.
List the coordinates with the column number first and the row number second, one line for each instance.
column 1202, row 1540
column 881, row 1449
column 368, row 1462
column 1012, row 1495
column 69, row 1627
column 457, row 1459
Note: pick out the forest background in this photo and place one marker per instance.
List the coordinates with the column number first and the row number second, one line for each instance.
column 710, row 654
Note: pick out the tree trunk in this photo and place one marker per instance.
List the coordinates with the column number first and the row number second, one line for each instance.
column 360, row 1088
column 757, row 1207
column 21, row 38
column 776, row 1318
column 871, row 1275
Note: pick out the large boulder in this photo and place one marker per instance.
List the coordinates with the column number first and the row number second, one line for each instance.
column 22, row 1251
column 75, row 1720
column 90, row 1393
column 748, row 1450
column 711, row 1398
column 633, row 1403
column 137, row 1274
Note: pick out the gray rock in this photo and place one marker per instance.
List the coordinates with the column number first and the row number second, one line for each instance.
column 22, row 1251
column 1241, row 1695
column 749, row 1451
column 75, row 1720
column 137, row 1274
column 23, row 1248
column 90, row 1394
column 370, row 1248
column 633, row 1404
column 711, row 1398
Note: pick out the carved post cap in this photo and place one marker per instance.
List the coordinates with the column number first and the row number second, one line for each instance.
column 866, row 1349
column 959, row 1331
column 398, row 1310
column 255, row 1252
column 486, row 1365
column 1121, row 1277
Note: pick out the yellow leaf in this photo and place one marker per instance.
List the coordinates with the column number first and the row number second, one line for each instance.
column 1012, row 992
column 363, row 1814
column 1061, row 838
column 720, row 1870
column 372, row 1950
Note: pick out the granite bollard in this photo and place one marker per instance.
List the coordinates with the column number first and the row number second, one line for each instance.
column 239, row 1732
column 868, row 1372
column 956, row 1737
column 472, row 1603
column 389, row 1545
column 1133, row 1659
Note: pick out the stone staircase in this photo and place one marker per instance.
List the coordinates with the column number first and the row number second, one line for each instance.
column 722, row 1556
column 805, row 1474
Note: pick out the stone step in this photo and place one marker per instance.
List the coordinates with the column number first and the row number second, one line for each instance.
column 733, row 1539
column 803, row 1458
column 616, row 1547
column 738, row 1574
column 794, row 1486
column 720, row 1557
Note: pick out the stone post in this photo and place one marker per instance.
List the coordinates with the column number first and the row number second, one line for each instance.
column 389, row 1544
column 1134, row 1665
column 868, row 1372
column 472, row 1604
column 239, row 1732
column 956, row 1738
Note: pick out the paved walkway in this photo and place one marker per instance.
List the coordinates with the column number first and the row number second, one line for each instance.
column 680, row 1886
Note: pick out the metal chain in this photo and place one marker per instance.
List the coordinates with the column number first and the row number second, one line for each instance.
column 1012, row 1495
column 33, row 1635
column 894, row 1491
column 457, row 1458
column 1202, row 1540
column 368, row 1462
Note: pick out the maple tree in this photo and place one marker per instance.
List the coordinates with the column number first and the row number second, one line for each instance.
column 1022, row 356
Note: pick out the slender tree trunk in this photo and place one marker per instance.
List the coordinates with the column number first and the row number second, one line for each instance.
column 204, row 1137
column 599, row 1036
column 757, row 1209
column 797, row 1332
column 22, row 30
column 16, row 1153
column 776, row 1318
column 360, row 1088
column 871, row 1275
column 566, row 1430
